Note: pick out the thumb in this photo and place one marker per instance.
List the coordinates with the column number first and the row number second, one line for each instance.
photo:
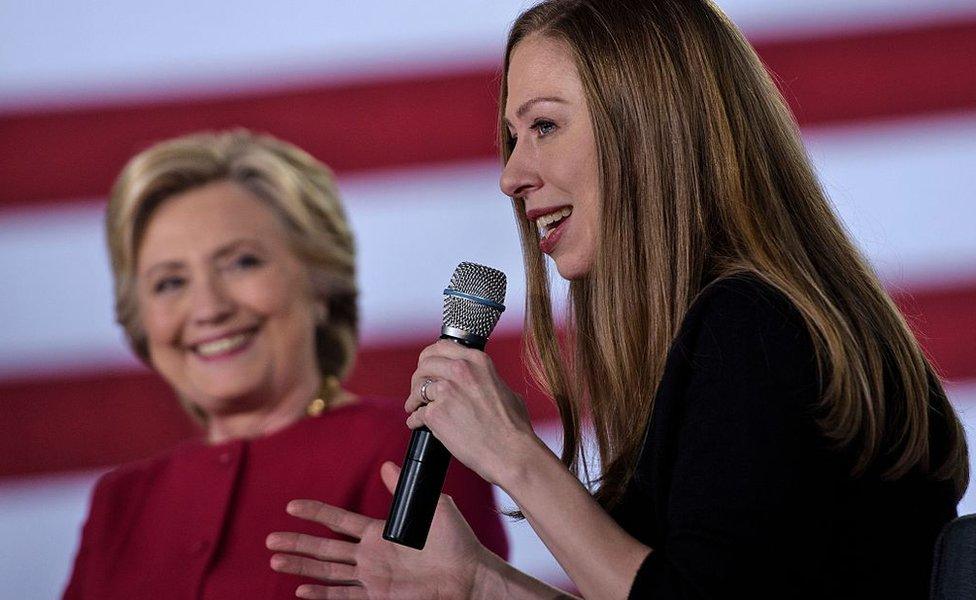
column 390, row 473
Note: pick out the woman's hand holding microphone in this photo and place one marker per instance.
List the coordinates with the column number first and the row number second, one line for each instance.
column 472, row 412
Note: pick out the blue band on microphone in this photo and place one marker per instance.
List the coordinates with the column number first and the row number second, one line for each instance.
column 475, row 299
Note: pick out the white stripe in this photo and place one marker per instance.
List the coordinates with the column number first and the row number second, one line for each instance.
column 41, row 525
column 905, row 190
column 64, row 53
column 767, row 19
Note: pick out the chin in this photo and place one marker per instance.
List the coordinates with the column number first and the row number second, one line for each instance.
column 571, row 268
column 220, row 396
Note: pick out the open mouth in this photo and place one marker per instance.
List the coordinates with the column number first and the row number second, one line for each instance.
column 225, row 345
column 548, row 223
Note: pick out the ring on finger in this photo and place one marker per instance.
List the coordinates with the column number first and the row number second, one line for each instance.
column 423, row 391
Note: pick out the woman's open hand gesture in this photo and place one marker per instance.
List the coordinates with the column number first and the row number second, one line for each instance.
column 369, row 566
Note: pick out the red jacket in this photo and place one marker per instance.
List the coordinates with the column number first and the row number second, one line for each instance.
column 192, row 523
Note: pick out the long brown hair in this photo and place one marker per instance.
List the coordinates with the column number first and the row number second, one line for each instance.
column 703, row 175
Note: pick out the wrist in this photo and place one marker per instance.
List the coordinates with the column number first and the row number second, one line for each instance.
column 495, row 578
column 488, row 575
column 528, row 454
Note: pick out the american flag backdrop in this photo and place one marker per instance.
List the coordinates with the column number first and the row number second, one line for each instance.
column 399, row 98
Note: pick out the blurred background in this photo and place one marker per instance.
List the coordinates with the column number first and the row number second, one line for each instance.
column 400, row 99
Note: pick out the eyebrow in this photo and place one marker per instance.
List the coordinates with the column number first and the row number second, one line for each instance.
column 220, row 252
column 168, row 265
column 525, row 106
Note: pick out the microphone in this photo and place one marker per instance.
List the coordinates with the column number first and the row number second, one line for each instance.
column 473, row 303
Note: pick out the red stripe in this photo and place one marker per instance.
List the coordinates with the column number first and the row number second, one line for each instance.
column 944, row 320
column 71, row 154
column 82, row 422
column 55, row 155
column 867, row 75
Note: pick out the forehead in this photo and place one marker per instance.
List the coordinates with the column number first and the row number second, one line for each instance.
column 541, row 66
column 204, row 218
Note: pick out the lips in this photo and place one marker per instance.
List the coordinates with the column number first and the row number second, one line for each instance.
column 551, row 223
column 224, row 345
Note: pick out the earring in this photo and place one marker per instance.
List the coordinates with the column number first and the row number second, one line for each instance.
column 330, row 386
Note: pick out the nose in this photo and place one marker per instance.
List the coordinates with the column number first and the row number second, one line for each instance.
column 210, row 304
column 519, row 176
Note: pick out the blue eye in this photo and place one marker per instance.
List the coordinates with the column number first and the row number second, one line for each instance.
column 543, row 127
column 167, row 284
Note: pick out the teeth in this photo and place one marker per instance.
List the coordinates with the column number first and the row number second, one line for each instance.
column 222, row 345
column 546, row 220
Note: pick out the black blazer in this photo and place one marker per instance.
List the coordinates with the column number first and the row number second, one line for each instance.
column 737, row 492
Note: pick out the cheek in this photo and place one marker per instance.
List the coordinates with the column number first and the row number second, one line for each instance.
column 268, row 296
column 160, row 322
column 279, row 297
column 589, row 186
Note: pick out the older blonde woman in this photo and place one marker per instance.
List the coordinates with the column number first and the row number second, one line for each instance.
column 234, row 276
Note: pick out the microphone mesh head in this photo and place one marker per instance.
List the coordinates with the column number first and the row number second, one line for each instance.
column 479, row 314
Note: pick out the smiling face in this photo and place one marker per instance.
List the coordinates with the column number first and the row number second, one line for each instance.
column 228, row 315
column 553, row 165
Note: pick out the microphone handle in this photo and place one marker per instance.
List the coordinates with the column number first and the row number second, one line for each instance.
column 421, row 480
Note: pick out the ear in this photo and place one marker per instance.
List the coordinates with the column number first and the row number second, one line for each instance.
column 321, row 312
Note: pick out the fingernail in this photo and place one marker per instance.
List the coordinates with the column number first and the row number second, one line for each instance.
column 292, row 508
column 272, row 540
column 277, row 562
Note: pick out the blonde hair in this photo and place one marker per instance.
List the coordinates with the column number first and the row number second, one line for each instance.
column 703, row 175
column 299, row 189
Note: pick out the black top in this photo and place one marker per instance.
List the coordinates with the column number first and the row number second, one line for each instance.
column 737, row 492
